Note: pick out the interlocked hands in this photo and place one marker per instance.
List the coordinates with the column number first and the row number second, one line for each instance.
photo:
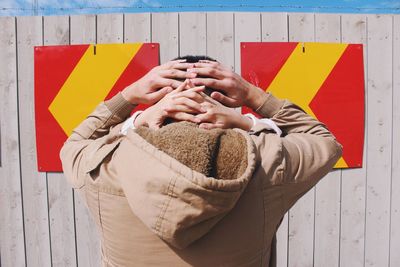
column 158, row 82
column 177, row 89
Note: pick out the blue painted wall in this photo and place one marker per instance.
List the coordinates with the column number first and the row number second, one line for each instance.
column 60, row 7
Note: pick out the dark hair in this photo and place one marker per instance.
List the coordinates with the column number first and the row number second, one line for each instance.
column 195, row 59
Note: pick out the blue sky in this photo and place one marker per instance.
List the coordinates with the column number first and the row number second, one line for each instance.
column 51, row 7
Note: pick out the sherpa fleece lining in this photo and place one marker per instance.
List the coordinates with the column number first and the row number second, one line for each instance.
column 218, row 153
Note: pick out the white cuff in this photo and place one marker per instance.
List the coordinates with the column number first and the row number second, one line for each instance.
column 269, row 123
column 130, row 122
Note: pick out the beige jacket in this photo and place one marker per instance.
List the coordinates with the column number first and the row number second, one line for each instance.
column 152, row 210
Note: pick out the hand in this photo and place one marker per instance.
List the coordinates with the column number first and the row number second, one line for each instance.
column 235, row 91
column 179, row 104
column 158, row 82
column 220, row 116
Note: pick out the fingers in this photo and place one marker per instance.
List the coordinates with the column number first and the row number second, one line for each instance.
column 164, row 82
column 181, row 100
column 209, row 82
column 207, row 63
column 184, row 104
column 205, row 117
column 224, row 85
column 207, row 72
column 181, row 87
column 177, row 74
column 176, row 64
column 192, row 93
column 209, row 99
column 213, row 64
column 209, row 126
column 196, row 89
column 182, row 108
column 157, row 95
column 227, row 101
column 182, row 66
column 182, row 116
column 190, row 84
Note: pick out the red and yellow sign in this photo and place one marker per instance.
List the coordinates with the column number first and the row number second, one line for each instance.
column 70, row 81
column 326, row 80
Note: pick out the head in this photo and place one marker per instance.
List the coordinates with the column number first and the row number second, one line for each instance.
column 192, row 59
column 195, row 59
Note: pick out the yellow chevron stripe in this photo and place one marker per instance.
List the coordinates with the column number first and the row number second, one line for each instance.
column 341, row 163
column 90, row 82
column 304, row 73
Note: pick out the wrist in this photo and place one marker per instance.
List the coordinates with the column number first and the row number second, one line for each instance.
column 244, row 123
column 255, row 97
column 150, row 117
column 140, row 120
column 129, row 94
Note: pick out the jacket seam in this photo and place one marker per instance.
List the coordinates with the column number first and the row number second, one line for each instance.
column 170, row 196
column 264, row 219
column 161, row 216
column 105, row 189
column 104, row 249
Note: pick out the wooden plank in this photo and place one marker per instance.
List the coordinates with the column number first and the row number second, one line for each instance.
column 11, row 219
column 137, row 28
column 110, row 28
column 34, row 188
column 247, row 29
column 301, row 216
column 353, row 181
column 220, row 41
column 327, row 194
column 192, row 33
column 164, row 28
column 275, row 29
column 282, row 243
column 60, row 194
column 379, row 109
column 83, row 31
column 395, row 209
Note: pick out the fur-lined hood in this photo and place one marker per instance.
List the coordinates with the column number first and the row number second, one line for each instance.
column 185, row 179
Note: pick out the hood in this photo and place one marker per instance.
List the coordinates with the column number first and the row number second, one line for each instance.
column 184, row 179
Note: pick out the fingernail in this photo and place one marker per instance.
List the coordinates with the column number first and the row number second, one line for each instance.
column 197, row 120
column 203, row 110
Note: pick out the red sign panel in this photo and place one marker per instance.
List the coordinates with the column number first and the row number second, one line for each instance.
column 326, row 80
column 70, row 81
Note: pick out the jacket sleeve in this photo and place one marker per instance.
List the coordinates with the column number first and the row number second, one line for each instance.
column 308, row 149
column 92, row 136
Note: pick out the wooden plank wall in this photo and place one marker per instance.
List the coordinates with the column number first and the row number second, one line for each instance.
column 351, row 218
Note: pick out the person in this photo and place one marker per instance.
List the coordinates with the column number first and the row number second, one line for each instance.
column 209, row 188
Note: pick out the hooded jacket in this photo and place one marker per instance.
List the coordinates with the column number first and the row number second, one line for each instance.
column 182, row 196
